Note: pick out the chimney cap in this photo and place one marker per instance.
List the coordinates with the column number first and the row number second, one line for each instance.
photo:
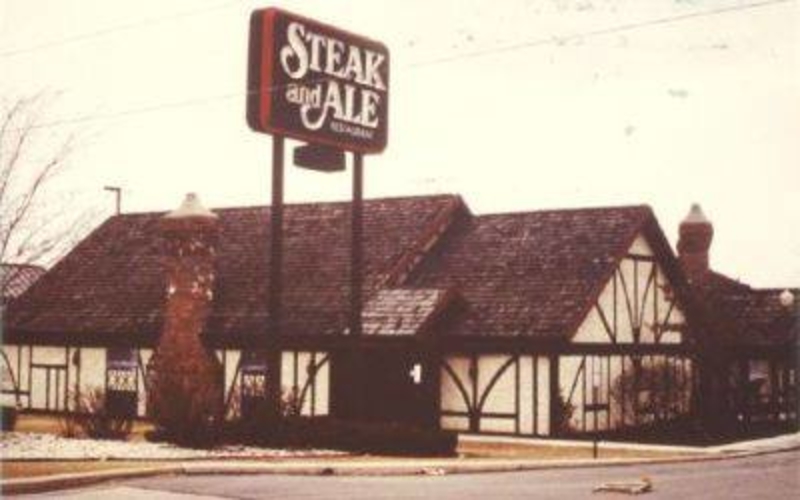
column 696, row 216
column 787, row 298
column 191, row 208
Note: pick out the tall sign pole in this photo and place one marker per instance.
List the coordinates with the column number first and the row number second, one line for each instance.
column 329, row 88
column 273, row 354
column 357, row 245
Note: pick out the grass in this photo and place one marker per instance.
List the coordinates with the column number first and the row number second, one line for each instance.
column 49, row 424
column 37, row 423
column 17, row 470
column 553, row 452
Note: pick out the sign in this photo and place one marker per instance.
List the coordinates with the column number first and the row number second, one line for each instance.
column 316, row 83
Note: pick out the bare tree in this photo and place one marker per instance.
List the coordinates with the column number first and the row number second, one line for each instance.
column 36, row 225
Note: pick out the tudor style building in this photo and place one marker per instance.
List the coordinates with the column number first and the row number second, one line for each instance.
column 539, row 323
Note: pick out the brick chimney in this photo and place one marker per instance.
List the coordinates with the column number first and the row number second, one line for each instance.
column 186, row 385
column 695, row 235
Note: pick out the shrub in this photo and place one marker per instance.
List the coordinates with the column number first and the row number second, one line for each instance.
column 651, row 392
column 256, row 422
column 185, row 396
column 94, row 418
column 180, row 417
column 330, row 433
column 8, row 418
column 562, row 414
column 388, row 438
column 98, row 421
column 70, row 424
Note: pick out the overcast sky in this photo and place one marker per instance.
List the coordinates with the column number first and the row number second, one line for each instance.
column 516, row 105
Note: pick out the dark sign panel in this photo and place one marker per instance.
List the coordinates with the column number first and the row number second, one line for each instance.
column 316, row 83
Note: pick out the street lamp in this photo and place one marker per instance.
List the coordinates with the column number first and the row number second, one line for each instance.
column 596, row 381
column 787, row 298
column 790, row 302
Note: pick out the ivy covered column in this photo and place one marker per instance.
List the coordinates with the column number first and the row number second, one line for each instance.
column 186, row 384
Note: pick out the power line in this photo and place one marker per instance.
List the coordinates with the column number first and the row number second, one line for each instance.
column 445, row 60
column 155, row 107
column 594, row 33
column 134, row 111
column 115, row 29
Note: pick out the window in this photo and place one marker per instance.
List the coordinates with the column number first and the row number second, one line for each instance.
column 122, row 381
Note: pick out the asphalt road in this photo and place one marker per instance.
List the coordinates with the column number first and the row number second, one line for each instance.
column 773, row 476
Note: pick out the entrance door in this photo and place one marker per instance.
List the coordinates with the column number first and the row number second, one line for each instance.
column 382, row 385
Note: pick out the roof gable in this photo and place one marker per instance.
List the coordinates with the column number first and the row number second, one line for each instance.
column 531, row 274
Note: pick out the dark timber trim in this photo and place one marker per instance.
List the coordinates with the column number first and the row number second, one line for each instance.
column 554, row 395
column 312, row 370
column 535, row 391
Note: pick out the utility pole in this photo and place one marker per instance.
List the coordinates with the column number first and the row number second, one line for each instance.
column 118, row 195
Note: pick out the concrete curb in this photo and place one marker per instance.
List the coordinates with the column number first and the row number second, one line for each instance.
column 431, row 467
column 583, row 444
column 68, row 481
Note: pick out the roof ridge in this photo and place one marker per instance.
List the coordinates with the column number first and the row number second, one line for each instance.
column 605, row 208
column 22, row 264
column 728, row 280
column 299, row 204
column 441, row 221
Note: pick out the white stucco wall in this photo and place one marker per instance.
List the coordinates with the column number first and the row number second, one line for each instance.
column 526, row 387
column 66, row 370
column 515, row 394
column 322, row 390
column 295, row 369
column 144, row 357
column 24, row 375
column 647, row 304
column 93, row 368
column 86, row 367
column 451, row 398
column 9, row 374
column 502, row 396
column 232, row 357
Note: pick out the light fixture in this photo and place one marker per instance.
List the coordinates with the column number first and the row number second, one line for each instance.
column 787, row 298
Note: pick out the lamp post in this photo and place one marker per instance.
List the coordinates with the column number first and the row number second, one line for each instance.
column 788, row 299
column 596, row 380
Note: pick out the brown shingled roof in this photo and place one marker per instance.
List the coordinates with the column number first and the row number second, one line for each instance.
column 529, row 274
column 403, row 311
column 112, row 284
column 16, row 278
column 533, row 274
column 741, row 315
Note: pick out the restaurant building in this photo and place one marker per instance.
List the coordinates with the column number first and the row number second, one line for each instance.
column 536, row 323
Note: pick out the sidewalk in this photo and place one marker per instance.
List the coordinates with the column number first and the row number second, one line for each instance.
column 777, row 443
column 398, row 466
